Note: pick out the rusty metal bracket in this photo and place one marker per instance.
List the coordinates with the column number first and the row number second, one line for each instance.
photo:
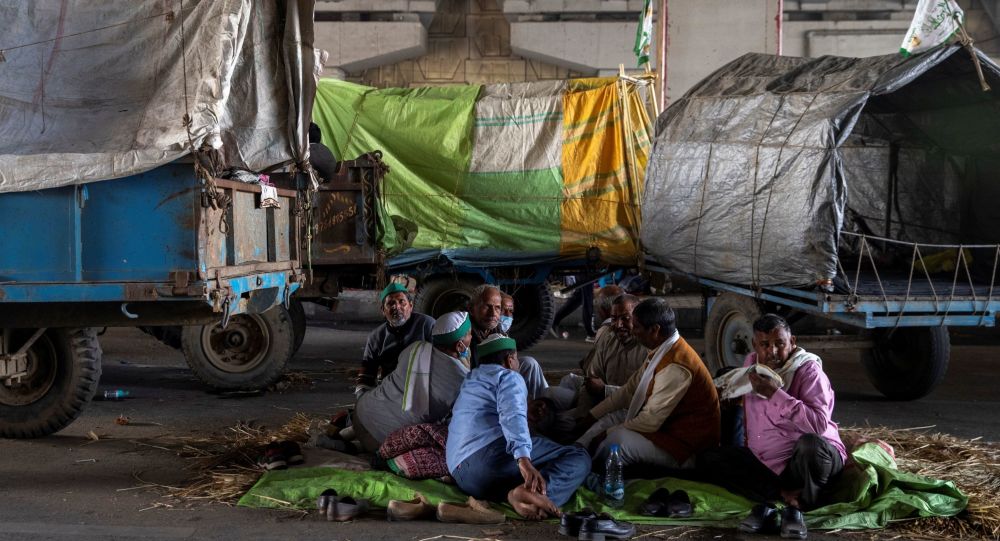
column 226, row 311
column 14, row 366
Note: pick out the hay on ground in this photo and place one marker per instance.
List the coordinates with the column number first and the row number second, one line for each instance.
column 226, row 465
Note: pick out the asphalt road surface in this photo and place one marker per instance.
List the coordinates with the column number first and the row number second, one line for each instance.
column 68, row 486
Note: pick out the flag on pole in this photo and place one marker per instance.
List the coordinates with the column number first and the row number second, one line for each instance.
column 934, row 22
column 644, row 34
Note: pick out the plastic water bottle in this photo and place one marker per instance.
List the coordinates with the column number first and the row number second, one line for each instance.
column 117, row 394
column 614, row 480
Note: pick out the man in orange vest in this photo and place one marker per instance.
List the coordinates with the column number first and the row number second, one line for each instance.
column 668, row 410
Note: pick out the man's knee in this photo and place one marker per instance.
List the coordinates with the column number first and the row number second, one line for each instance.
column 578, row 460
column 530, row 364
column 809, row 444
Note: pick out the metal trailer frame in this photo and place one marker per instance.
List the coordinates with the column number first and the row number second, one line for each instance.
column 142, row 242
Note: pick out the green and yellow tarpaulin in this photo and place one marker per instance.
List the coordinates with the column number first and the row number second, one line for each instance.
column 550, row 168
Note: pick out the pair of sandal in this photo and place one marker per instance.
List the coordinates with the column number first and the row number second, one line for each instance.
column 472, row 512
column 339, row 509
column 663, row 503
column 279, row 455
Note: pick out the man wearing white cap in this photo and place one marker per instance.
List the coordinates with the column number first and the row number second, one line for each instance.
column 491, row 453
column 402, row 327
column 422, row 388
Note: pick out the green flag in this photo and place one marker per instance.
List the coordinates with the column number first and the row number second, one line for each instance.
column 934, row 22
column 644, row 34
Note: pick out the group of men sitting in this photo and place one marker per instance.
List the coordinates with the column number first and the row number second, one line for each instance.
column 451, row 398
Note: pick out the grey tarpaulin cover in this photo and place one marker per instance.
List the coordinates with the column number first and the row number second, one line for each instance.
column 95, row 89
column 758, row 169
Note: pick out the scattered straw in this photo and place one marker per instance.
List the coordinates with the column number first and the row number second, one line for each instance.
column 973, row 465
column 226, row 465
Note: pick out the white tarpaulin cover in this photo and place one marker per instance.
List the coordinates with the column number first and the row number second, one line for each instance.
column 758, row 169
column 96, row 89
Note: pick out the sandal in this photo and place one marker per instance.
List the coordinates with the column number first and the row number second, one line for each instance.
column 326, row 500
column 347, row 508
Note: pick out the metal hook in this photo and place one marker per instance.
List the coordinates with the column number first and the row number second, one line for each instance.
column 128, row 314
column 226, row 311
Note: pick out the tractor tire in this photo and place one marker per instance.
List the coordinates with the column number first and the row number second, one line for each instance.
column 729, row 331
column 438, row 296
column 907, row 363
column 298, row 314
column 64, row 368
column 534, row 310
column 250, row 354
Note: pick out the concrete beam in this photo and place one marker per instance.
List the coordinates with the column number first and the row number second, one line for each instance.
column 357, row 46
column 572, row 6
column 579, row 46
column 367, row 6
column 843, row 38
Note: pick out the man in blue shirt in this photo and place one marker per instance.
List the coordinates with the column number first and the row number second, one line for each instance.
column 490, row 452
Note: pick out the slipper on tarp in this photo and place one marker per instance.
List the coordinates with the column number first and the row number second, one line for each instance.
column 327, row 499
column 655, row 503
column 663, row 503
column 679, row 505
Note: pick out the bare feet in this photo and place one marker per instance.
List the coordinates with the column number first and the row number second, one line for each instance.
column 531, row 505
column 522, row 505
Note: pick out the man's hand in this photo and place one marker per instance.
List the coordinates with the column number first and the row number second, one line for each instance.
column 763, row 386
column 595, row 385
column 533, row 480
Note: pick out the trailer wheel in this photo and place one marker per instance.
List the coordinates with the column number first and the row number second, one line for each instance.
column 64, row 367
column 729, row 331
column 437, row 297
column 298, row 315
column 534, row 310
column 249, row 354
column 907, row 363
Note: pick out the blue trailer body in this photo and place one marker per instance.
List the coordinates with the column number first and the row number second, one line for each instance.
column 148, row 237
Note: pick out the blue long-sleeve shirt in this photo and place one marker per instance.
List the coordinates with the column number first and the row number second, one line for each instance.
column 492, row 402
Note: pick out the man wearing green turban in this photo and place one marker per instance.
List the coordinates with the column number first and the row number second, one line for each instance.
column 402, row 327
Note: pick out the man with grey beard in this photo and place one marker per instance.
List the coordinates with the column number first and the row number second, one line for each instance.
column 402, row 327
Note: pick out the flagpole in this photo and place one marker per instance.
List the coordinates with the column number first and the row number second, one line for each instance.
column 661, row 52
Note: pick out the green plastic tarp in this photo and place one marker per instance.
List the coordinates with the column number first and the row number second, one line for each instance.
column 870, row 494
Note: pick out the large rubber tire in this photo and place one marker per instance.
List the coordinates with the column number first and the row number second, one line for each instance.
column 534, row 307
column 298, row 314
column 534, row 310
column 729, row 331
column 907, row 363
column 438, row 296
column 64, row 369
column 249, row 354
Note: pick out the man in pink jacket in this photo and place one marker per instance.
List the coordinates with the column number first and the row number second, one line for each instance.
column 791, row 447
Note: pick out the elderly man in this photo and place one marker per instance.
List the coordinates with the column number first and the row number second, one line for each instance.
column 793, row 448
column 402, row 327
column 491, row 453
column 421, row 389
column 485, row 311
column 616, row 357
column 669, row 409
column 602, row 305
